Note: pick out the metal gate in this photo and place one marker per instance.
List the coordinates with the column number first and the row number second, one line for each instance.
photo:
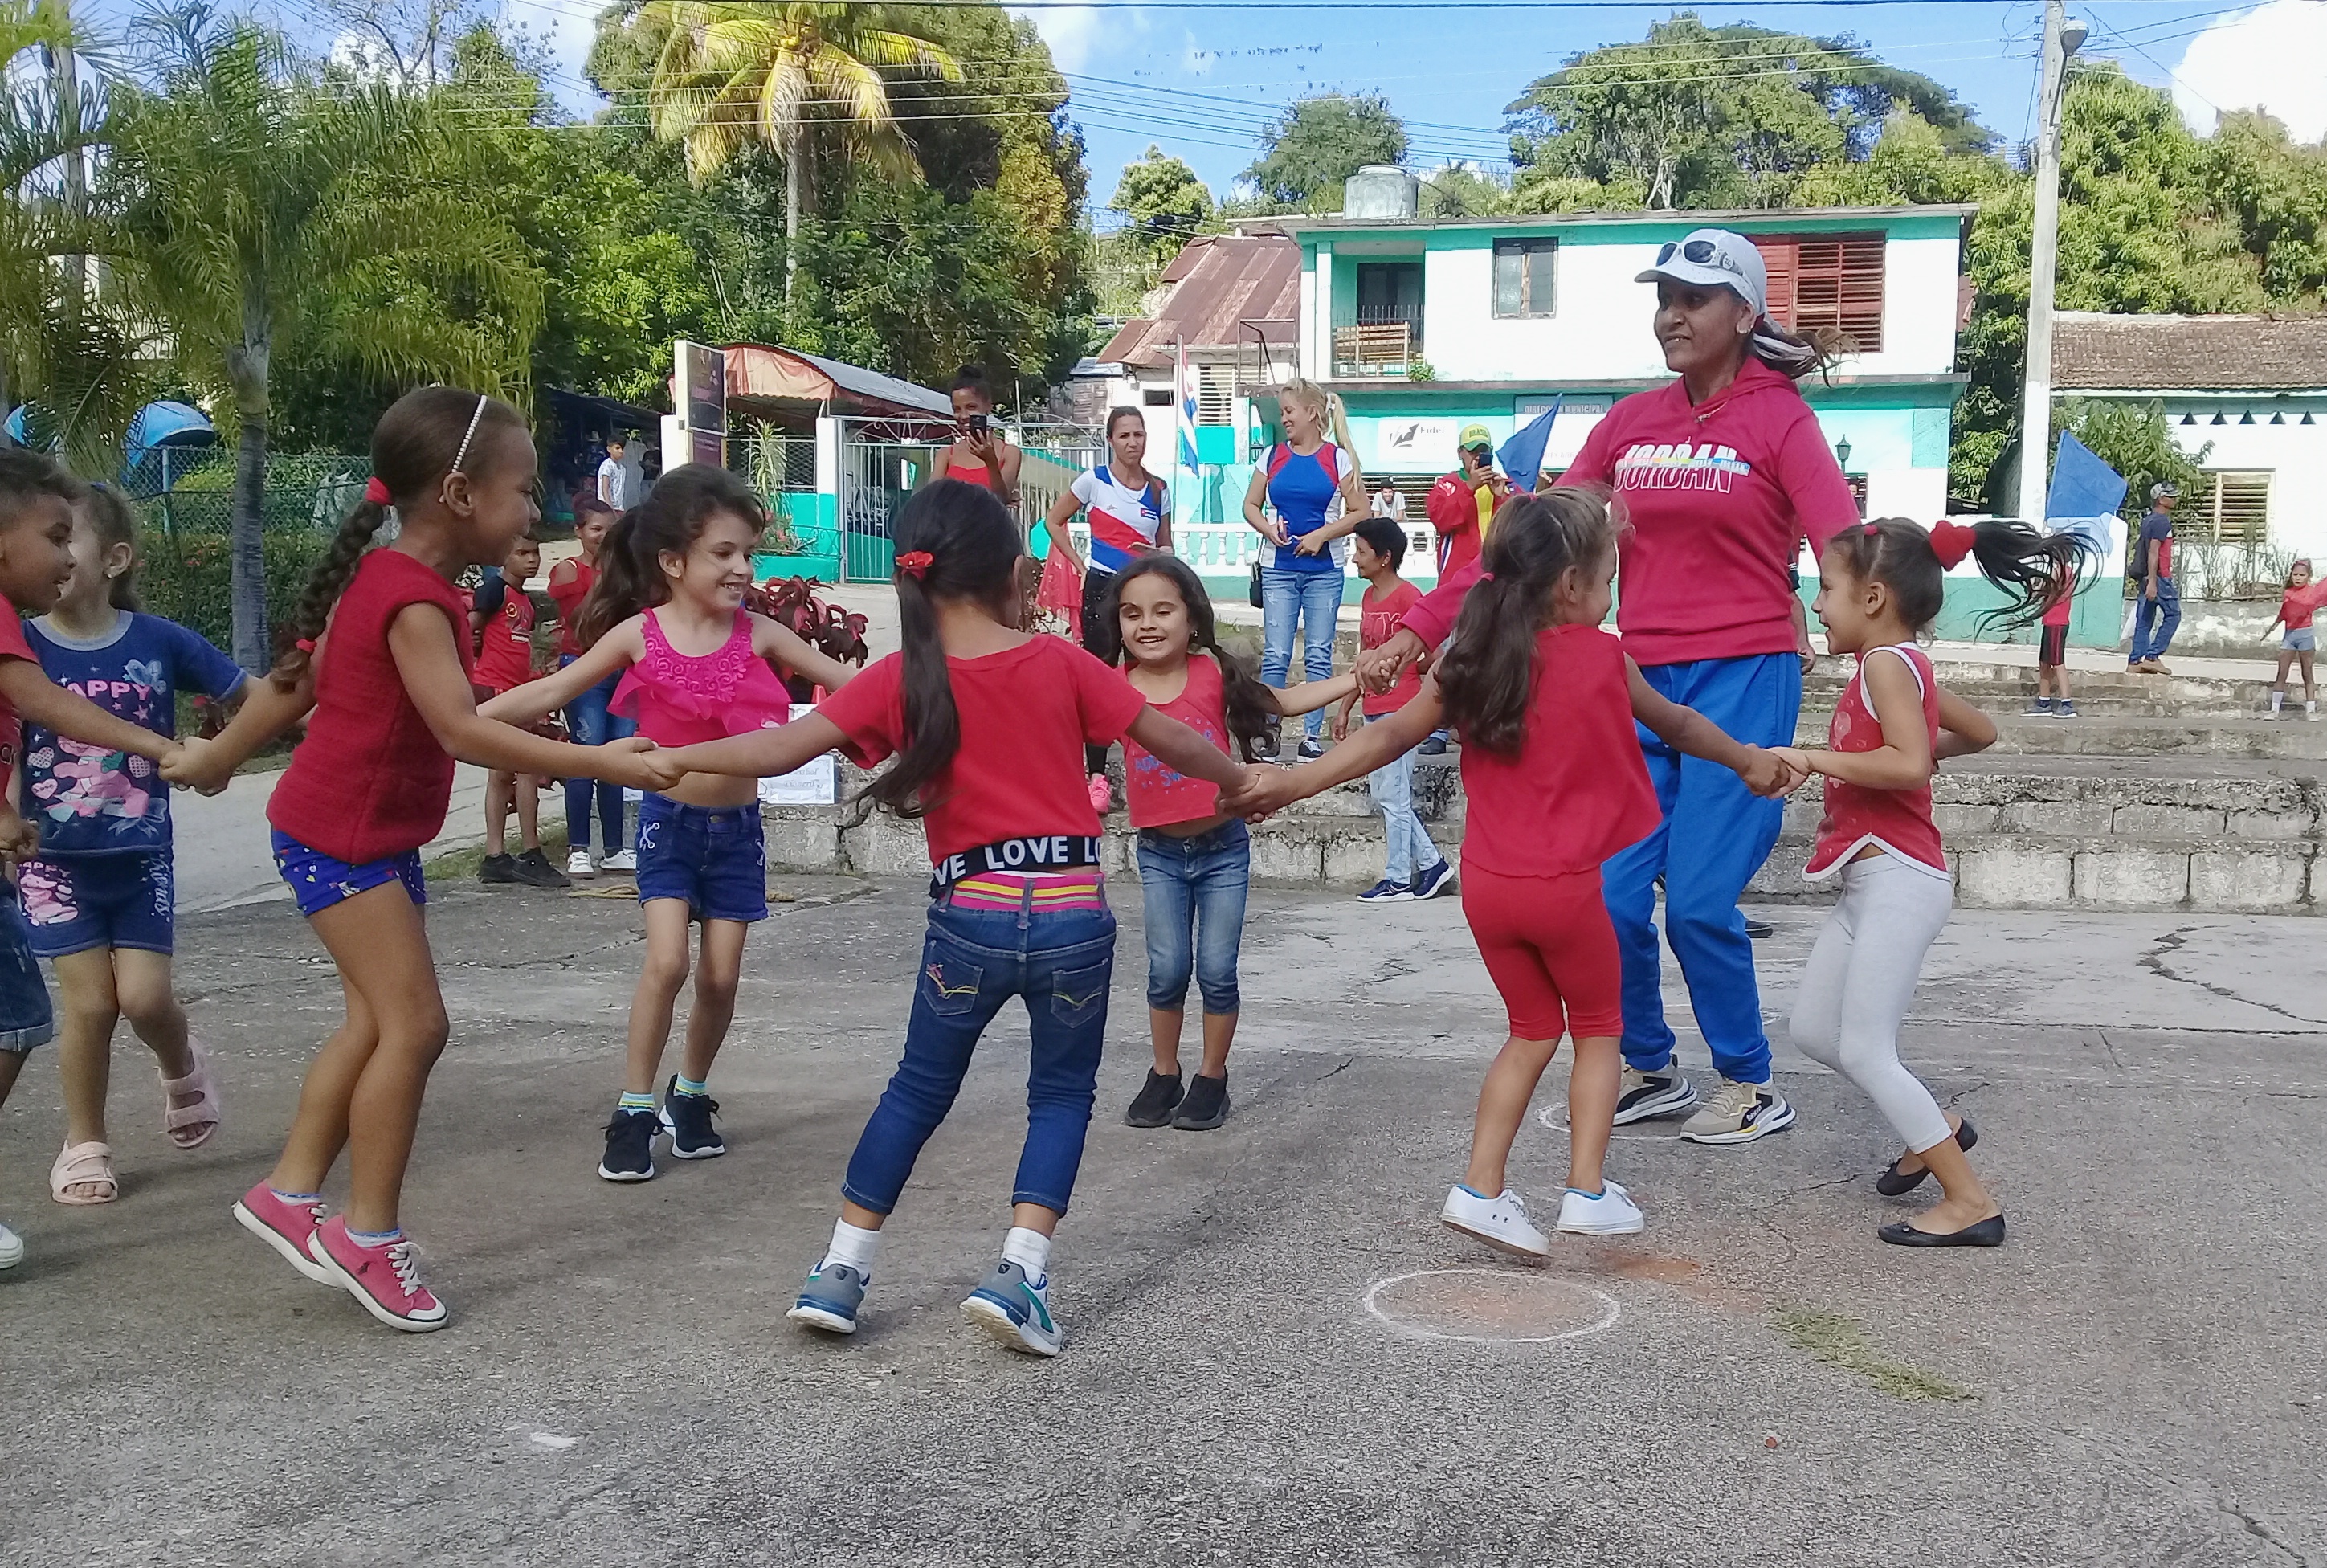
column 883, row 460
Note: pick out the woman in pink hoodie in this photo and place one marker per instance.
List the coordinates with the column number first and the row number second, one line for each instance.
column 1721, row 474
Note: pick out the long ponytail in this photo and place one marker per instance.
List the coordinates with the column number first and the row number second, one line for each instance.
column 324, row 586
column 1913, row 563
column 1487, row 677
column 955, row 541
column 1250, row 707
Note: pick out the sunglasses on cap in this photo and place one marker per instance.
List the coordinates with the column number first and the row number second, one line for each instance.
column 1699, row 253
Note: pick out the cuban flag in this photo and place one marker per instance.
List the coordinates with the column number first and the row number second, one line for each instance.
column 1186, row 420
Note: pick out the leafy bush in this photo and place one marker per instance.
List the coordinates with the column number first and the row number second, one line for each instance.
column 188, row 576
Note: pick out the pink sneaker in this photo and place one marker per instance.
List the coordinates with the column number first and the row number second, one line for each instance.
column 285, row 1227
column 385, row 1279
column 1100, row 797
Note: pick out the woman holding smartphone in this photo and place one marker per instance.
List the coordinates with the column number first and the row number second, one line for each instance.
column 978, row 454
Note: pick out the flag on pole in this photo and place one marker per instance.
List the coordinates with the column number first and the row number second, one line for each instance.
column 1522, row 454
column 2085, row 495
column 1183, row 424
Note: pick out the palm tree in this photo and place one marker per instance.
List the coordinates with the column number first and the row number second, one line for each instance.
column 735, row 72
column 258, row 207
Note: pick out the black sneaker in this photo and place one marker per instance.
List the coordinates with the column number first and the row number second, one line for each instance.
column 1156, row 1101
column 1433, row 747
column 497, row 868
column 630, row 1146
column 1311, row 749
column 1206, row 1105
column 533, row 869
column 1759, row 930
column 687, row 1119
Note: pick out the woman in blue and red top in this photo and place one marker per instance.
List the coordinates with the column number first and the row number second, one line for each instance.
column 1130, row 517
column 1720, row 475
column 388, row 683
column 1300, row 579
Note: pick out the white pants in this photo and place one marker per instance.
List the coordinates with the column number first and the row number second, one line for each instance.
column 1859, row 980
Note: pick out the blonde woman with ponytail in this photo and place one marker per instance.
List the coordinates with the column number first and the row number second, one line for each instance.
column 1290, row 504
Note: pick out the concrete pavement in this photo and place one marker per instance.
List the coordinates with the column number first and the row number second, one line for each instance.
column 2135, row 1378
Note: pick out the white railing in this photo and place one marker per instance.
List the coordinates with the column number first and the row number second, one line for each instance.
column 1227, row 549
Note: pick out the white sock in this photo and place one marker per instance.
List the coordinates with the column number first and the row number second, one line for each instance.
column 1028, row 1249
column 854, row 1245
column 2277, row 701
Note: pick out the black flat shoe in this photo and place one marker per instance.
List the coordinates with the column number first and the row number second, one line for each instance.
column 1759, row 930
column 1892, row 1184
column 1988, row 1232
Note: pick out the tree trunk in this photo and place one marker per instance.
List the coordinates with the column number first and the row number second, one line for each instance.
column 247, row 368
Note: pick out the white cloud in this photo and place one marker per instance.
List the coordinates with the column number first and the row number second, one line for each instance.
column 1071, row 31
column 2272, row 57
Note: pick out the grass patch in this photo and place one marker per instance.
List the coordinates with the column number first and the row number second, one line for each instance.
column 1839, row 1342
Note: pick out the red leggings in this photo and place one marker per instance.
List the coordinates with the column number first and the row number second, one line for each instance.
column 1552, row 953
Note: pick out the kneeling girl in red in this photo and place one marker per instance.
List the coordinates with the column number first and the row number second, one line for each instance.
column 1554, row 783
column 1880, row 585
column 382, row 660
column 987, row 724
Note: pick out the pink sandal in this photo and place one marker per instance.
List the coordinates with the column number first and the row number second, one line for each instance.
column 84, row 1165
column 205, row 1113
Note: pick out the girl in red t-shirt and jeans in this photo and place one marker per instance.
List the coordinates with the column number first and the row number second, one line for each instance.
column 987, row 724
column 1545, row 702
column 1880, row 585
column 1195, row 862
column 382, row 660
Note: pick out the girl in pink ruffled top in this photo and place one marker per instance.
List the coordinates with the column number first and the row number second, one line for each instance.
column 667, row 612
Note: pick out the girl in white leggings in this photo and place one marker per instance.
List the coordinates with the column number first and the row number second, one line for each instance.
column 1879, row 584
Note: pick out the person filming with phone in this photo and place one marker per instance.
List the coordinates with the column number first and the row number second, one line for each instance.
column 978, row 454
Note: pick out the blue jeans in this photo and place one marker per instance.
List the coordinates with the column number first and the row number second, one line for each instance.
column 1314, row 599
column 1715, row 835
column 2155, row 621
column 973, row 961
column 1195, row 889
column 25, row 1020
column 590, row 724
column 1410, row 851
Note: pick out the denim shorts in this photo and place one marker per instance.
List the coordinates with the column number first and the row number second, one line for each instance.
column 319, row 881
column 25, row 1020
column 80, row 902
column 2301, row 639
column 715, row 859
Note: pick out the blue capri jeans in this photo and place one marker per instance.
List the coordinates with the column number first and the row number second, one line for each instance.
column 1061, row 963
column 589, row 723
column 1195, row 889
column 1312, row 599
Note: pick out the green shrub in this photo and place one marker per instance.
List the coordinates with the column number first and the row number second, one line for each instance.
column 189, row 576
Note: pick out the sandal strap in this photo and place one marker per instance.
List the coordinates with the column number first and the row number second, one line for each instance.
column 83, row 1164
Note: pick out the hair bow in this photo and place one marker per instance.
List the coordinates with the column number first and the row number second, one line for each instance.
column 1951, row 542
column 915, row 563
column 375, row 492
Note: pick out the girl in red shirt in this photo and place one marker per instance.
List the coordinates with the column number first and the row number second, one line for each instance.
column 1555, row 784
column 382, row 661
column 587, row 719
column 987, row 725
column 1880, row 585
column 2296, row 609
column 504, row 631
column 1195, row 862
column 667, row 616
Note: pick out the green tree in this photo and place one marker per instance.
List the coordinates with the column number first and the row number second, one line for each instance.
column 1163, row 205
column 732, row 71
column 1320, row 141
column 262, row 207
column 2133, row 439
column 1458, row 190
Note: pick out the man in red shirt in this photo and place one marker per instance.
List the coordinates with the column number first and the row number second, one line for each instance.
column 1462, row 503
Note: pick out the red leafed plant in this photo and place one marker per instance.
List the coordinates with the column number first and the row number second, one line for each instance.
column 836, row 632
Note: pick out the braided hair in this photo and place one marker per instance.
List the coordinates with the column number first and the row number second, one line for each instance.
column 424, row 436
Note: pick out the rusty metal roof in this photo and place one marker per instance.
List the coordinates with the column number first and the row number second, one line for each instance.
column 2162, row 353
column 1215, row 282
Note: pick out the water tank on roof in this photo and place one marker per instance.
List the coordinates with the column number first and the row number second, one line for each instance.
column 1380, row 192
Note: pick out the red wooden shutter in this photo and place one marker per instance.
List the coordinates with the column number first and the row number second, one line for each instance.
column 1833, row 281
column 1779, row 259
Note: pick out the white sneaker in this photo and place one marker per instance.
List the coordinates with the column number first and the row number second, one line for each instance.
column 1500, row 1222
column 1612, row 1213
column 1643, row 1096
column 621, row 860
column 577, row 863
column 12, row 1248
column 1738, row 1113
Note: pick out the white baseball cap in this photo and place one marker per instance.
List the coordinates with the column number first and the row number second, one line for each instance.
column 1714, row 258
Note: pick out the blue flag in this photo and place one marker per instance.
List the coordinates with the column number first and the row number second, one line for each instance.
column 2084, row 496
column 1522, row 454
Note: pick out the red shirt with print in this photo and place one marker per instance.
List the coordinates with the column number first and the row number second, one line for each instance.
column 1378, row 623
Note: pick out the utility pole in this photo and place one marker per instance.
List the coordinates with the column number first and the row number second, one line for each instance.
column 2062, row 38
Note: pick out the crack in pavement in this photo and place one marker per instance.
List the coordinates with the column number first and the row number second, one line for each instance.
column 2172, row 942
column 2108, row 1046
column 2263, row 1533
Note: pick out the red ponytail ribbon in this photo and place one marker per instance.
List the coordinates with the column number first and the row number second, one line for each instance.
column 1951, row 542
column 306, row 644
column 915, row 564
column 376, row 492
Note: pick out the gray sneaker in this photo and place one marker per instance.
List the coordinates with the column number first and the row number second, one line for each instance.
column 1643, row 1096
column 1017, row 1310
column 829, row 1300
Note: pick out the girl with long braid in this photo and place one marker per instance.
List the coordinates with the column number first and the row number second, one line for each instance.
column 381, row 658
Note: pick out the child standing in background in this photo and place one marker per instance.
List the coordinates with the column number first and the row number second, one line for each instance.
column 987, row 724
column 2296, row 608
column 1413, row 866
column 2053, row 647
column 1195, row 864
column 667, row 616
column 587, row 719
column 504, row 628
column 99, row 896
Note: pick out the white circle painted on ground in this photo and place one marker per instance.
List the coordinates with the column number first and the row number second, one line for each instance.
column 1555, row 1118
column 1490, row 1306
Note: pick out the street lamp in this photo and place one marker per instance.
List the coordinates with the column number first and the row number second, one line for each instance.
column 1842, row 453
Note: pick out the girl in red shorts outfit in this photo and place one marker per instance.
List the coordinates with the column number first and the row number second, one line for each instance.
column 987, row 724
column 382, row 660
column 1554, row 784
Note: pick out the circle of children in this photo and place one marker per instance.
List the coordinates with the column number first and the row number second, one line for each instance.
column 1573, row 758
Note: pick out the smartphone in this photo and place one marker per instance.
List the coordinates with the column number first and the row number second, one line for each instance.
column 976, row 423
